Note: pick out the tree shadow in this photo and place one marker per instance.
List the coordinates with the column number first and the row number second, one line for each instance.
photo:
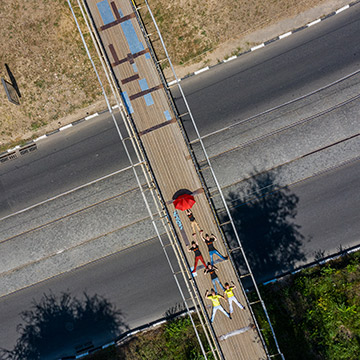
column 58, row 325
column 264, row 215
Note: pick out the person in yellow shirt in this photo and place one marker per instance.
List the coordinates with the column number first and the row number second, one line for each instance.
column 215, row 298
column 230, row 297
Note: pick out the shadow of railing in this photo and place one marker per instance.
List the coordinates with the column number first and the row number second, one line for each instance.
column 264, row 215
column 58, row 325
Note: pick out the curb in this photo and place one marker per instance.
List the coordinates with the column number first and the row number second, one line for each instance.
column 268, row 42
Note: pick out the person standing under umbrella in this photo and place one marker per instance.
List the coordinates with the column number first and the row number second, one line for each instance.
column 193, row 223
column 195, row 248
column 210, row 269
column 209, row 241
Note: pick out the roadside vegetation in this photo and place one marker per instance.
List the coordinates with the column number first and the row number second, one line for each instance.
column 174, row 340
column 315, row 314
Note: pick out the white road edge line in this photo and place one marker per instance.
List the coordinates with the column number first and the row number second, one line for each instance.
column 173, row 82
column 201, row 70
column 257, row 47
column 40, row 138
column 230, row 58
column 342, row 9
column 91, row 116
column 285, row 35
column 313, row 22
column 14, row 148
column 65, row 127
column 68, row 192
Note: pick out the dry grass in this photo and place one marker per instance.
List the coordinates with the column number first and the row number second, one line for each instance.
column 41, row 45
column 194, row 28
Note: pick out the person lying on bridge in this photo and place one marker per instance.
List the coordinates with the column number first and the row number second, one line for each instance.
column 210, row 269
column 215, row 298
column 209, row 241
column 193, row 223
column 195, row 248
column 229, row 295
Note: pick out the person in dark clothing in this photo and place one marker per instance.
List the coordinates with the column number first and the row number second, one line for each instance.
column 211, row 269
column 193, row 223
column 209, row 241
column 195, row 248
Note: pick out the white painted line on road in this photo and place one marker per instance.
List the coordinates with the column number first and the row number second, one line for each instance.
column 158, row 323
column 201, row 70
column 115, row 106
column 353, row 250
column 65, row 127
column 342, row 9
column 173, row 82
column 69, row 191
column 285, row 35
column 40, row 138
column 257, row 47
column 230, row 58
column 91, row 116
column 276, row 107
column 313, row 22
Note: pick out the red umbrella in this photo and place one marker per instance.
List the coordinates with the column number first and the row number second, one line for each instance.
column 184, row 202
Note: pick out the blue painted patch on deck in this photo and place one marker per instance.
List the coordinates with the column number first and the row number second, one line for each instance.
column 147, row 56
column 105, row 12
column 133, row 41
column 167, row 115
column 134, row 67
column 144, row 86
column 121, row 13
column 127, row 102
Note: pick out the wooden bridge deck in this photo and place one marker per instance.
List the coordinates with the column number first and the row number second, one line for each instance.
column 160, row 134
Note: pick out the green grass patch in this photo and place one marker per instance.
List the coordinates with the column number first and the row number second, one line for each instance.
column 315, row 313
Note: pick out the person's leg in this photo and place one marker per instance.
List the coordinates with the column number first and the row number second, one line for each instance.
column 214, row 309
column 214, row 284
column 192, row 223
column 196, row 262
column 230, row 300
column 203, row 261
column 217, row 279
column 197, row 225
column 211, row 253
column 219, row 255
column 224, row 311
column 236, row 301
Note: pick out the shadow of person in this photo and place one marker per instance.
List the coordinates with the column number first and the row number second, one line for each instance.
column 57, row 326
column 264, row 215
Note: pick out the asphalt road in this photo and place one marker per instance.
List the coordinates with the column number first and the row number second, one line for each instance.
column 287, row 69
column 136, row 282
column 327, row 206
